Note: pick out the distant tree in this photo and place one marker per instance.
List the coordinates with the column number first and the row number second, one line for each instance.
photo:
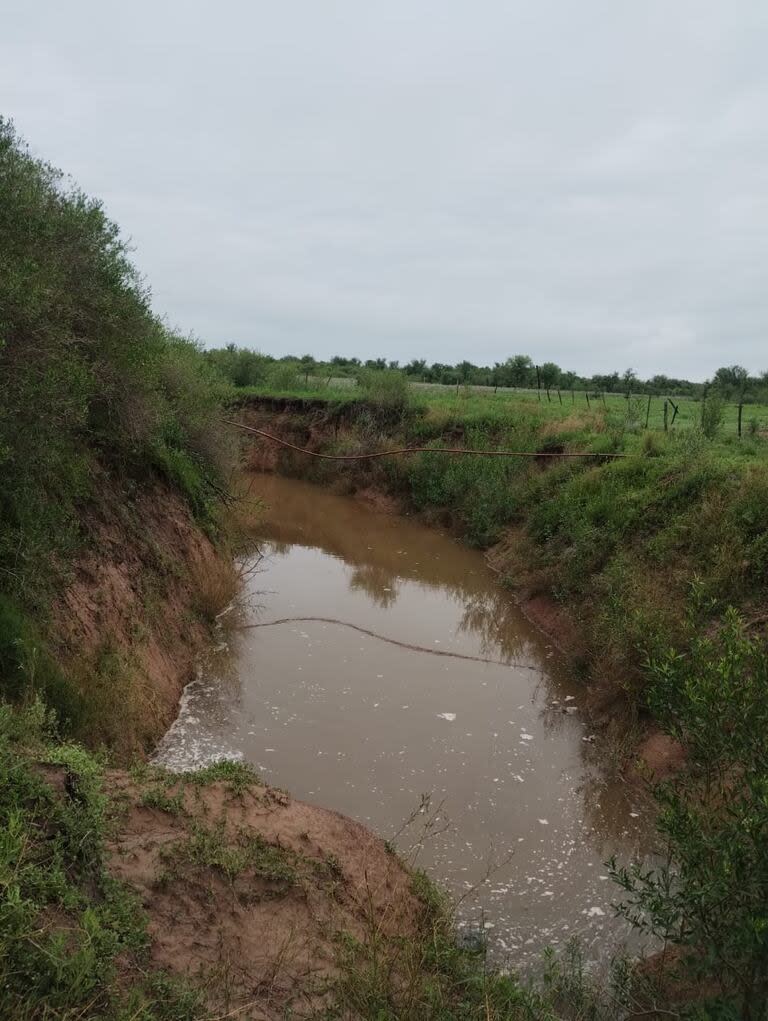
column 609, row 383
column 518, row 371
column 307, row 365
column 731, row 380
column 416, row 367
column 550, row 374
column 464, row 371
column 629, row 380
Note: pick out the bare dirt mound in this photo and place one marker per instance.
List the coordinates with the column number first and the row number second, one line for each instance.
column 251, row 894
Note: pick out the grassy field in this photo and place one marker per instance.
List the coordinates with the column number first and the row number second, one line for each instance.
column 498, row 404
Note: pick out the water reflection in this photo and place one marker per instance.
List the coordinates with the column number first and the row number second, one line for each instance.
column 366, row 727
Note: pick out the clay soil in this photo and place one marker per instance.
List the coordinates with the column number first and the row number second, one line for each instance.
column 258, row 942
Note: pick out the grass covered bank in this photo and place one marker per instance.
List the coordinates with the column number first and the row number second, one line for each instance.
column 622, row 544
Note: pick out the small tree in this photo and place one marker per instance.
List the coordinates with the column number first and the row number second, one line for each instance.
column 517, row 371
column 712, row 408
column 710, row 897
column 732, row 381
column 550, row 375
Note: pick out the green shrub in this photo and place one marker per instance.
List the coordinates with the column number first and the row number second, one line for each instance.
column 387, row 394
column 284, row 376
column 73, row 941
column 27, row 669
column 709, row 893
column 712, row 412
column 92, row 384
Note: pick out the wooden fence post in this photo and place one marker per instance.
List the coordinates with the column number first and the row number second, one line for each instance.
column 740, row 409
column 666, row 413
column 559, row 397
column 589, row 406
column 538, row 381
column 648, row 411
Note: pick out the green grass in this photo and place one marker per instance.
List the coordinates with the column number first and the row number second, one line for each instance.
column 73, row 941
column 231, row 855
column 482, row 404
column 619, row 541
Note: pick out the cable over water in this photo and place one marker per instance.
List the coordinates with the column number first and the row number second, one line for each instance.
column 416, row 450
column 391, row 641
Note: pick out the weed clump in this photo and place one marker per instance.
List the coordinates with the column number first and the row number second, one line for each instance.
column 73, row 940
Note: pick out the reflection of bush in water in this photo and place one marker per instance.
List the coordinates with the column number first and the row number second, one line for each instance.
column 493, row 617
column 377, row 582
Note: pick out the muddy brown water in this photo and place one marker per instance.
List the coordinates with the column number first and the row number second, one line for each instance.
column 513, row 797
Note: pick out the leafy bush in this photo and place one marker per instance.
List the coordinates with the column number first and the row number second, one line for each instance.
column 709, row 895
column 712, row 411
column 91, row 382
column 240, row 366
column 386, row 392
column 284, row 376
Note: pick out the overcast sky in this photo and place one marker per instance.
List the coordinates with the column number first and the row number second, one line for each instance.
column 583, row 181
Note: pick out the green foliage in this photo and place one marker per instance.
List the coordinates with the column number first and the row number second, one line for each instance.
column 386, row 393
column 231, row 855
column 26, row 667
column 712, row 411
column 92, row 385
column 240, row 366
column 284, row 376
column 73, row 941
column 709, row 895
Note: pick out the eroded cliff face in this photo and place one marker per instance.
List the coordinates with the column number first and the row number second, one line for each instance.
column 131, row 622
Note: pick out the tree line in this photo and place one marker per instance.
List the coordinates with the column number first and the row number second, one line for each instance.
column 244, row 367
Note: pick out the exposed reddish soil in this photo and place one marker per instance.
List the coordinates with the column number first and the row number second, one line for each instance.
column 660, row 755
column 131, row 601
column 508, row 558
column 257, row 945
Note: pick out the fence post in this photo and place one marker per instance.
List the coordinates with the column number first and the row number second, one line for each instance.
column 740, row 407
column 538, row 381
column 666, row 413
column 648, row 411
column 589, row 406
column 559, row 397
column 573, row 396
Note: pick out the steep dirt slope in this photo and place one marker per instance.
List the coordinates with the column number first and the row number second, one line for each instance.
column 130, row 623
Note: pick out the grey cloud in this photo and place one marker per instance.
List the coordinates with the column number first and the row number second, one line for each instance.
column 585, row 182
